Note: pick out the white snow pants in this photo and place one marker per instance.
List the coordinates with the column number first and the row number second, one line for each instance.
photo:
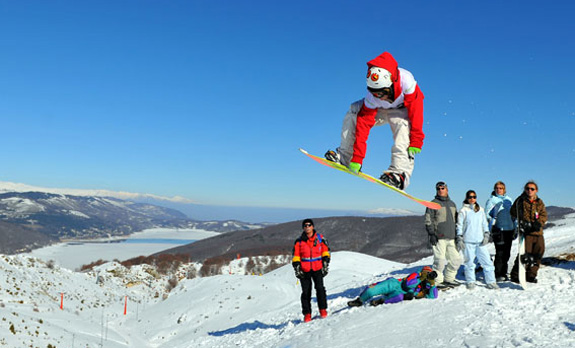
column 400, row 128
column 471, row 251
column 446, row 260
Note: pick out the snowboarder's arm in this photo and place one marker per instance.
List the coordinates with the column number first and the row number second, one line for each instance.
column 414, row 104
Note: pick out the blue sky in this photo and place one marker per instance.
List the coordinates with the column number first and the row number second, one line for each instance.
column 210, row 100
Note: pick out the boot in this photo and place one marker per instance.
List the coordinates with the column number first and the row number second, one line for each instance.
column 355, row 303
column 393, row 179
column 323, row 313
column 307, row 318
column 333, row 156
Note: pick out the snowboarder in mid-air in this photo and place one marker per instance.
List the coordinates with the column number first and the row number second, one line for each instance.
column 393, row 97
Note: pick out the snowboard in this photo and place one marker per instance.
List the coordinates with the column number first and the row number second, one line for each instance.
column 520, row 253
column 325, row 162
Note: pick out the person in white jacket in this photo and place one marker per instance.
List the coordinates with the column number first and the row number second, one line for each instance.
column 472, row 227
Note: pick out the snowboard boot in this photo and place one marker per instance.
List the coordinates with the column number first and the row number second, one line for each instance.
column 393, row 179
column 333, row 156
column 323, row 313
column 470, row 286
column 307, row 318
column 355, row 303
column 377, row 302
column 532, row 280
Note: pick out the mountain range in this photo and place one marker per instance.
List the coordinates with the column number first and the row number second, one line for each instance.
column 30, row 220
column 400, row 239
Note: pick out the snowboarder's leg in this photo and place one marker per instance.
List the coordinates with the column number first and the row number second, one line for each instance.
column 400, row 128
column 348, row 133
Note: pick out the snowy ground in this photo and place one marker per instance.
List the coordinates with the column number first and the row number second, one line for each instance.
column 74, row 255
column 264, row 311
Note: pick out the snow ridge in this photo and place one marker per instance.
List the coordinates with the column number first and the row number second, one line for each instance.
column 264, row 311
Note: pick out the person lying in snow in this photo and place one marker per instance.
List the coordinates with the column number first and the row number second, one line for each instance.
column 416, row 285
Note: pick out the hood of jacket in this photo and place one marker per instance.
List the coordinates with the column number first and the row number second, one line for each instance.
column 387, row 62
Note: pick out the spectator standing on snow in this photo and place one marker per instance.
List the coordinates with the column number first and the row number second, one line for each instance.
column 440, row 226
column 498, row 213
column 472, row 226
column 310, row 262
column 416, row 285
column 531, row 215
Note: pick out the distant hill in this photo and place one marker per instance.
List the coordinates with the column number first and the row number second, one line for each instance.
column 30, row 220
column 401, row 239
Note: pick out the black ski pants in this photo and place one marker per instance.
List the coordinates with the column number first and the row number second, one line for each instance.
column 502, row 240
column 306, row 281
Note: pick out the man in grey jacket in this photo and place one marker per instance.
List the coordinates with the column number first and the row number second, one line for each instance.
column 440, row 225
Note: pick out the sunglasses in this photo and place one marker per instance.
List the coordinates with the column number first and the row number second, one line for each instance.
column 441, row 188
column 307, row 225
column 471, row 197
column 530, row 189
column 380, row 93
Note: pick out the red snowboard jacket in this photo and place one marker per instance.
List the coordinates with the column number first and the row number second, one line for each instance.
column 310, row 251
column 366, row 116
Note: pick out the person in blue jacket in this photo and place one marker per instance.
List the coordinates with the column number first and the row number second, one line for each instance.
column 416, row 285
column 502, row 227
column 472, row 227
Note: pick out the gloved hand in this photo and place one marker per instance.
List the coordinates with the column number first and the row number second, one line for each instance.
column 486, row 237
column 536, row 226
column 432, row 239
column 298, row 271
column 515, row 234
column 354, row 167
column 525, row 227
column 459, row 244
column 325, row 268
column 412, row 151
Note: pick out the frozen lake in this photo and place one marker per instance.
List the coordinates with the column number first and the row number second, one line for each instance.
column 73, row 255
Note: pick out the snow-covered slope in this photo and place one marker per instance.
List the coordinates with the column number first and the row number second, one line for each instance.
column 264, row 311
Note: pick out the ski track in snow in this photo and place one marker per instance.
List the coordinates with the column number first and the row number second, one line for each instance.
column 264, row 311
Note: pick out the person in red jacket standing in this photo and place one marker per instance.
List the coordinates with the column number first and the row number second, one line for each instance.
column 310, row 262
column 393, row 98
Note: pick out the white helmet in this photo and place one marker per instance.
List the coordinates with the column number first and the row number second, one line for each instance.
column 378, row 78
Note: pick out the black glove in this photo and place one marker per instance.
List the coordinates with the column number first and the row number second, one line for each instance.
column 515, row 234
column 325, row 268
column 525, row 227
column 298, row 271
column 432, row 239
column 536, row 226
